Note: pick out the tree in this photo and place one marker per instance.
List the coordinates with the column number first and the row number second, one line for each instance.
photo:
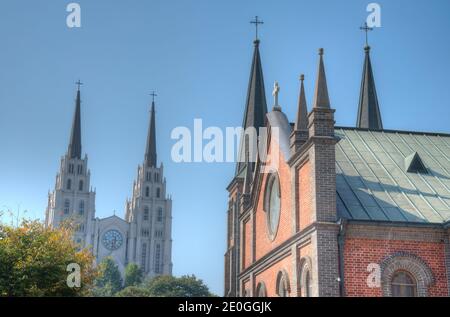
column 109, row 280
column 34, row 261
column 133, row 275
column 170, row 286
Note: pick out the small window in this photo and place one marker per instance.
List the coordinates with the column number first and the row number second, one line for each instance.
column 158, row 234
column 160, row 215
column 70, row 168
column 146, row 213
column 145, row 232
column 80, row 169
column 261, row 290
column 403, row 285
column 147, row 191
column 158, row 192
column 69, row 184
column 80, row 186
column 143, row 256
column 81, row 208
column 148, row 177
column 80, row 227
column 66, row 207
column 158, row 259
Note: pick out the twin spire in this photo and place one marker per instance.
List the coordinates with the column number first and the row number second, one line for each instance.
column 74, row 150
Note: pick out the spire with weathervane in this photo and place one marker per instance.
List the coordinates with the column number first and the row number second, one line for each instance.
column 369, row 116
column 74, row 150
column 256, row 105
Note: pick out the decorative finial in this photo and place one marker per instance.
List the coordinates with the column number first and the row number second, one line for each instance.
column 320, row 51
column 153, row 94
column 275, row 92
column 366, row 29
column 256, row 22
column 79, row 83
column 302, row 77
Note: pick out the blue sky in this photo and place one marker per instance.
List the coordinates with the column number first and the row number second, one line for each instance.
column 197, row 55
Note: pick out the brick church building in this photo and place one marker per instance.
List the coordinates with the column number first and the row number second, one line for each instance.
column 350, row 211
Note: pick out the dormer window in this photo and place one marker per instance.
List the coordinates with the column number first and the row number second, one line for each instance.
column 414, row 164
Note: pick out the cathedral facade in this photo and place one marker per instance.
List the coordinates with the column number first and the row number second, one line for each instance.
column 350, row 211
column 144, row 236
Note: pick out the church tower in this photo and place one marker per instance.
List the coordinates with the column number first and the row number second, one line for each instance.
column 72, row 200
column 150, row 213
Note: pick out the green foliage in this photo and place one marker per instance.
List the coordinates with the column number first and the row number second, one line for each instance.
column 133, row 275
column 34, row 259
column 109, row 281
column 133, row 291
column 170, row 286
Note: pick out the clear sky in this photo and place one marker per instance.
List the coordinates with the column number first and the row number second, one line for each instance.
column 197, row 55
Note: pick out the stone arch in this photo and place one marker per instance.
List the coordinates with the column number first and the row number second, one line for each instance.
column 304, row 271
column 283, row 285
column 412, row 264
column 261, row 290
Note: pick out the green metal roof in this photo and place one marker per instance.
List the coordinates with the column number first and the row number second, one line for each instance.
column 373, row 182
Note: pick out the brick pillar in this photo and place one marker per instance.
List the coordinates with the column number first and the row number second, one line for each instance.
column 323, row 184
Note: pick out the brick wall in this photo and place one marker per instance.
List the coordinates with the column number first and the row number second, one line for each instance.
column 269, row 276
column 359, row 253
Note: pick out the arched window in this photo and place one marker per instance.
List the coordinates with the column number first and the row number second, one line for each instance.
column 146, row 212
column 305, row 277
column 69, row 184
column 158, row 258
column 66, row 206
column 283, row 287
column 81, row 208
column 147, row 191
column 158, row 192
column 80, row 186
column 80, row 169
column 156, row 177
column 403, row 284
column 160, row 215
column 405, row 274
column 261, row 290
column 70, row 168
column 148, row 177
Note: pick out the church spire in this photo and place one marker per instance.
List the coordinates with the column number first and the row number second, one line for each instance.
column 74, row 150
column 321, row 99
column 150, row 151
column 256, row 105
column 369, row 116
column 301, row 122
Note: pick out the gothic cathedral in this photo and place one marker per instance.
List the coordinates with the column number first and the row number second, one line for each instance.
column 144, row 236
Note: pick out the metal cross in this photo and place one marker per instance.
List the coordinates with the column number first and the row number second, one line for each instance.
column 256, row 22
column 366, row 29
column 79, row 83
column 153, row 94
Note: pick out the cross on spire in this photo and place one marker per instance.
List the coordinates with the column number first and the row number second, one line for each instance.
column 153, row 94
column 79, row 83
column 366, row 29
column 256, row 22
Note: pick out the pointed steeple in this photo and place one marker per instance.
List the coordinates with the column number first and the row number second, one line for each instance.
column 369, row 116
column 321, row 99
column 74, row 150
column 150, row 151
column 301, row 122
column 256, row 105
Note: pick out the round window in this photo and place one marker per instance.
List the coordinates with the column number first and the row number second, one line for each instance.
column 273, row 204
